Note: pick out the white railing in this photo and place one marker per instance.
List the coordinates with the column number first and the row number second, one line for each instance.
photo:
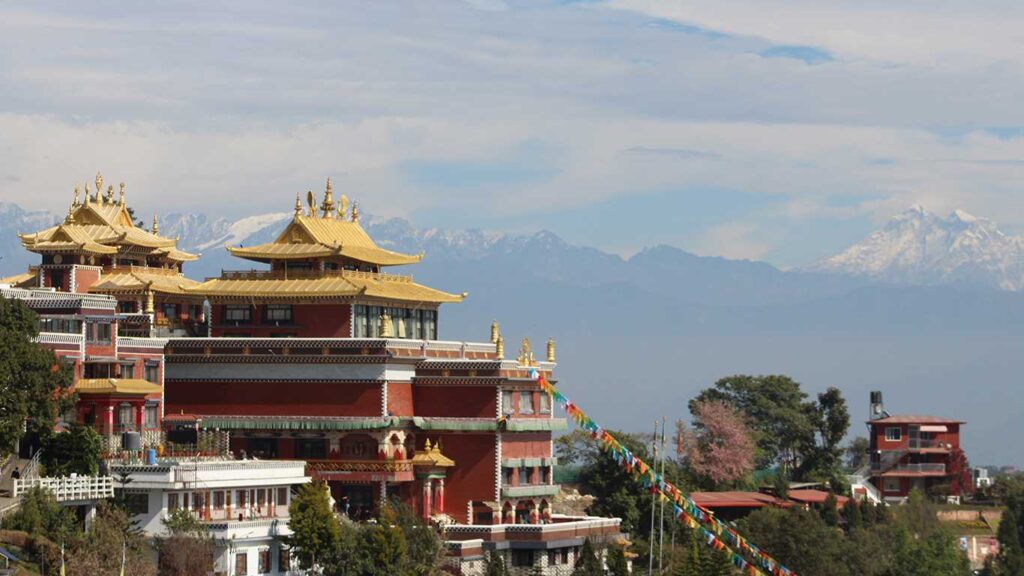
column 60, row 338
column 69, row 489
column 136, row 342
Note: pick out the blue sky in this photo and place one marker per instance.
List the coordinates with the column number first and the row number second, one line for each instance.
column 776, row 130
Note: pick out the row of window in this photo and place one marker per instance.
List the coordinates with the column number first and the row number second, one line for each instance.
column 526, row 404
column 220, row 499
column 528, row 475
column 151, row 371
column 98, row 332
column 263, row 562
column 556, row 557
column 61, row 325
column 272, row 313
column 405, row 322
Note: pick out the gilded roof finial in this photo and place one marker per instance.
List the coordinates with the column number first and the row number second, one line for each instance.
column 109, row 199
column 156, row 225
column 342, row 207
column 426, row 445
column 77, row 190
column 495, row 331
column 298, row 205
column 524, row 352
column 387, row 330
column 99, row 184
column 311, row 201
column 71, row 215
column 87, row 197
column 355, row 212
column 327, row 207
column 121, row 199
column 499, row 347
column 551, row 349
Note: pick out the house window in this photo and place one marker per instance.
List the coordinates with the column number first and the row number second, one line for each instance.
column 151, row 417
column 558, row 556
column 522, row 558
column 524, row 476
column 506, row 403
column 243, row 498
column 126, row 417
column 310, row 448
column 545, row 403
column 241, row 564
column 891, row 485
column 284, row 560
column 237, row 313
column 152, row 373
column 218, row 500
column 98, row 332
column 282, row 496
column 127, row 371
column 526, row 402
column 172, row 502
column 545, row 474
column 137, row 504
column 278, row 313
column 509, row 473
column 170, row 310
column 264, row 561
column 893, row 434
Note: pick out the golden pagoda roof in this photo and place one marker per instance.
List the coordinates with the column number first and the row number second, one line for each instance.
column 138, row 279
column 126, row 386
column 331, row 283
column 432, row 456
column 99, row 226
column 322, row 237
column 23, row 280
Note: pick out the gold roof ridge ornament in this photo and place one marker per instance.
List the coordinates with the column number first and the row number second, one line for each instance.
column 87, row 198
column 327, row 208
column 99, row 185
column 355, row 212
column 551, row 349
column 156, row 225
column 525, row 357
column 298, row 205
column 121, row 199
column 495, row 331
column 77, row 190
column 343, row 207
column 311, row 201
column 386, row 329
column 109, row 198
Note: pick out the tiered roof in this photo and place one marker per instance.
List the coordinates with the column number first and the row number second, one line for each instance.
column 99, row 226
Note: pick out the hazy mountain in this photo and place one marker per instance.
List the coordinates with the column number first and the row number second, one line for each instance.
column 918, row 247
column 14, row 219
column 637, row 337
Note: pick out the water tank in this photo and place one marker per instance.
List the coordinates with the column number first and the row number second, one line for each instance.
column 151, row 457
column 131, row 441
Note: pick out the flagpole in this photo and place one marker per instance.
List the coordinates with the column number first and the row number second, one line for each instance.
column 654, row 496
column 124, row 548
column 661, row 520
column 62, row 558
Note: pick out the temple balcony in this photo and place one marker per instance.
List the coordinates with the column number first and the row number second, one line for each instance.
column 362, row 470
column 559, row 528
column 530, row 491
column 301, row 274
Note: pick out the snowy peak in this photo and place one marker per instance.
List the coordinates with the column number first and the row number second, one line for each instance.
column 918, row 247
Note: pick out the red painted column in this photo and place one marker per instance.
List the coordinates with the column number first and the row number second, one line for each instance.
column 439, row 496
column 426, row 499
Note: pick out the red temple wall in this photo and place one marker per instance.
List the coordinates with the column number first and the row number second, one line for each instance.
column 85, row 278
column 472, row 478
column 400, row 399
column 275, row 398
column 455, row 401
column 308, row 321
column 526, row 445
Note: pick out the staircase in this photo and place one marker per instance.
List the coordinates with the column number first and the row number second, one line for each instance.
column 861, row 480
column 8, row 502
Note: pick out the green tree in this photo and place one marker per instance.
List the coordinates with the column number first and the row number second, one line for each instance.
column 587, row 563
column 381, row 551
column 714, row 563
column 852, row 515
column 40, row 515
column 857, row 453
column 316, row 532
column 822, row 456
column 777, row 410
column 829, row 513
column 188, row 548
column 799, row 539
column 99, row 550
column 34, row 385
column 935, row 554
column 1010, row 560
column 423, row 550
column 74, row 451
column 617, row 564
column 494, row 565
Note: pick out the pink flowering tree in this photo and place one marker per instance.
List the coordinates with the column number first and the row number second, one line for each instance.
column 720, row 447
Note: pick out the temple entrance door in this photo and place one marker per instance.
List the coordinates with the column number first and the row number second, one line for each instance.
column 360, row 500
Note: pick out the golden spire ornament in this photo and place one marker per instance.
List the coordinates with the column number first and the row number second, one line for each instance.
column 551, row 349
column 386, row 329
column 99, row 184
column 311, row 201
column 121, row 199
column 355, row 212
column 298, row 205
column 499, row 347
column 156, row 225
column 109, row 198
column 327, row 208
column 75, row 203
column 524, row 352
column 87, row 197
column 495, row 331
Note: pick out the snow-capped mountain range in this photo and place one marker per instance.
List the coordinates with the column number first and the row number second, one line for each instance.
column 918, row 247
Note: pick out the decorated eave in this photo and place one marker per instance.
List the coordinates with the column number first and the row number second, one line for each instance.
column 101, row 226
column 140, row 280
column 324, row 233
column 115, row 387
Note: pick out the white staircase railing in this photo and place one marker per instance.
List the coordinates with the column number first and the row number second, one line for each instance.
column 70, row 489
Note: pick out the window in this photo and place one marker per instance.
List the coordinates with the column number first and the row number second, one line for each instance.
column 524, row 476
column 62, row 325
column 243, row 498
column 509, row 473
column 891, row 484
column 284, row 560
column 218, row 500
column 57, row 280
column 241, row 564
column 98, row 332
column 278, row 313
column 126, row 307
column 893, row 434
column 152, row 373
column 282, row 496
column 172, row 502
column 526, row 402
column 170, row 310
column 545, row 403
column 127, row 371
column 151, row 417
column 264, row 561
column 126, row 417
column 558, row 556
column 310, row 448
column 237, row 314
column 522, row 558
column 545, row 474
column 137, row 504
column 506, row 403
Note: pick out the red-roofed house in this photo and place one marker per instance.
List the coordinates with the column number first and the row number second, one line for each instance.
column 909, row 451
column 813, row 497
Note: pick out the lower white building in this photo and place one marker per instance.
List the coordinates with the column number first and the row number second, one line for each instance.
column 244, row 503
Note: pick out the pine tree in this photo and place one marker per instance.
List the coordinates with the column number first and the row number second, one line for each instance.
column 829, row 512
column 617, row 565
column 316, row 532
column 1010, row 561
column 494, row 565
column 587, row 563
column 852, row 515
